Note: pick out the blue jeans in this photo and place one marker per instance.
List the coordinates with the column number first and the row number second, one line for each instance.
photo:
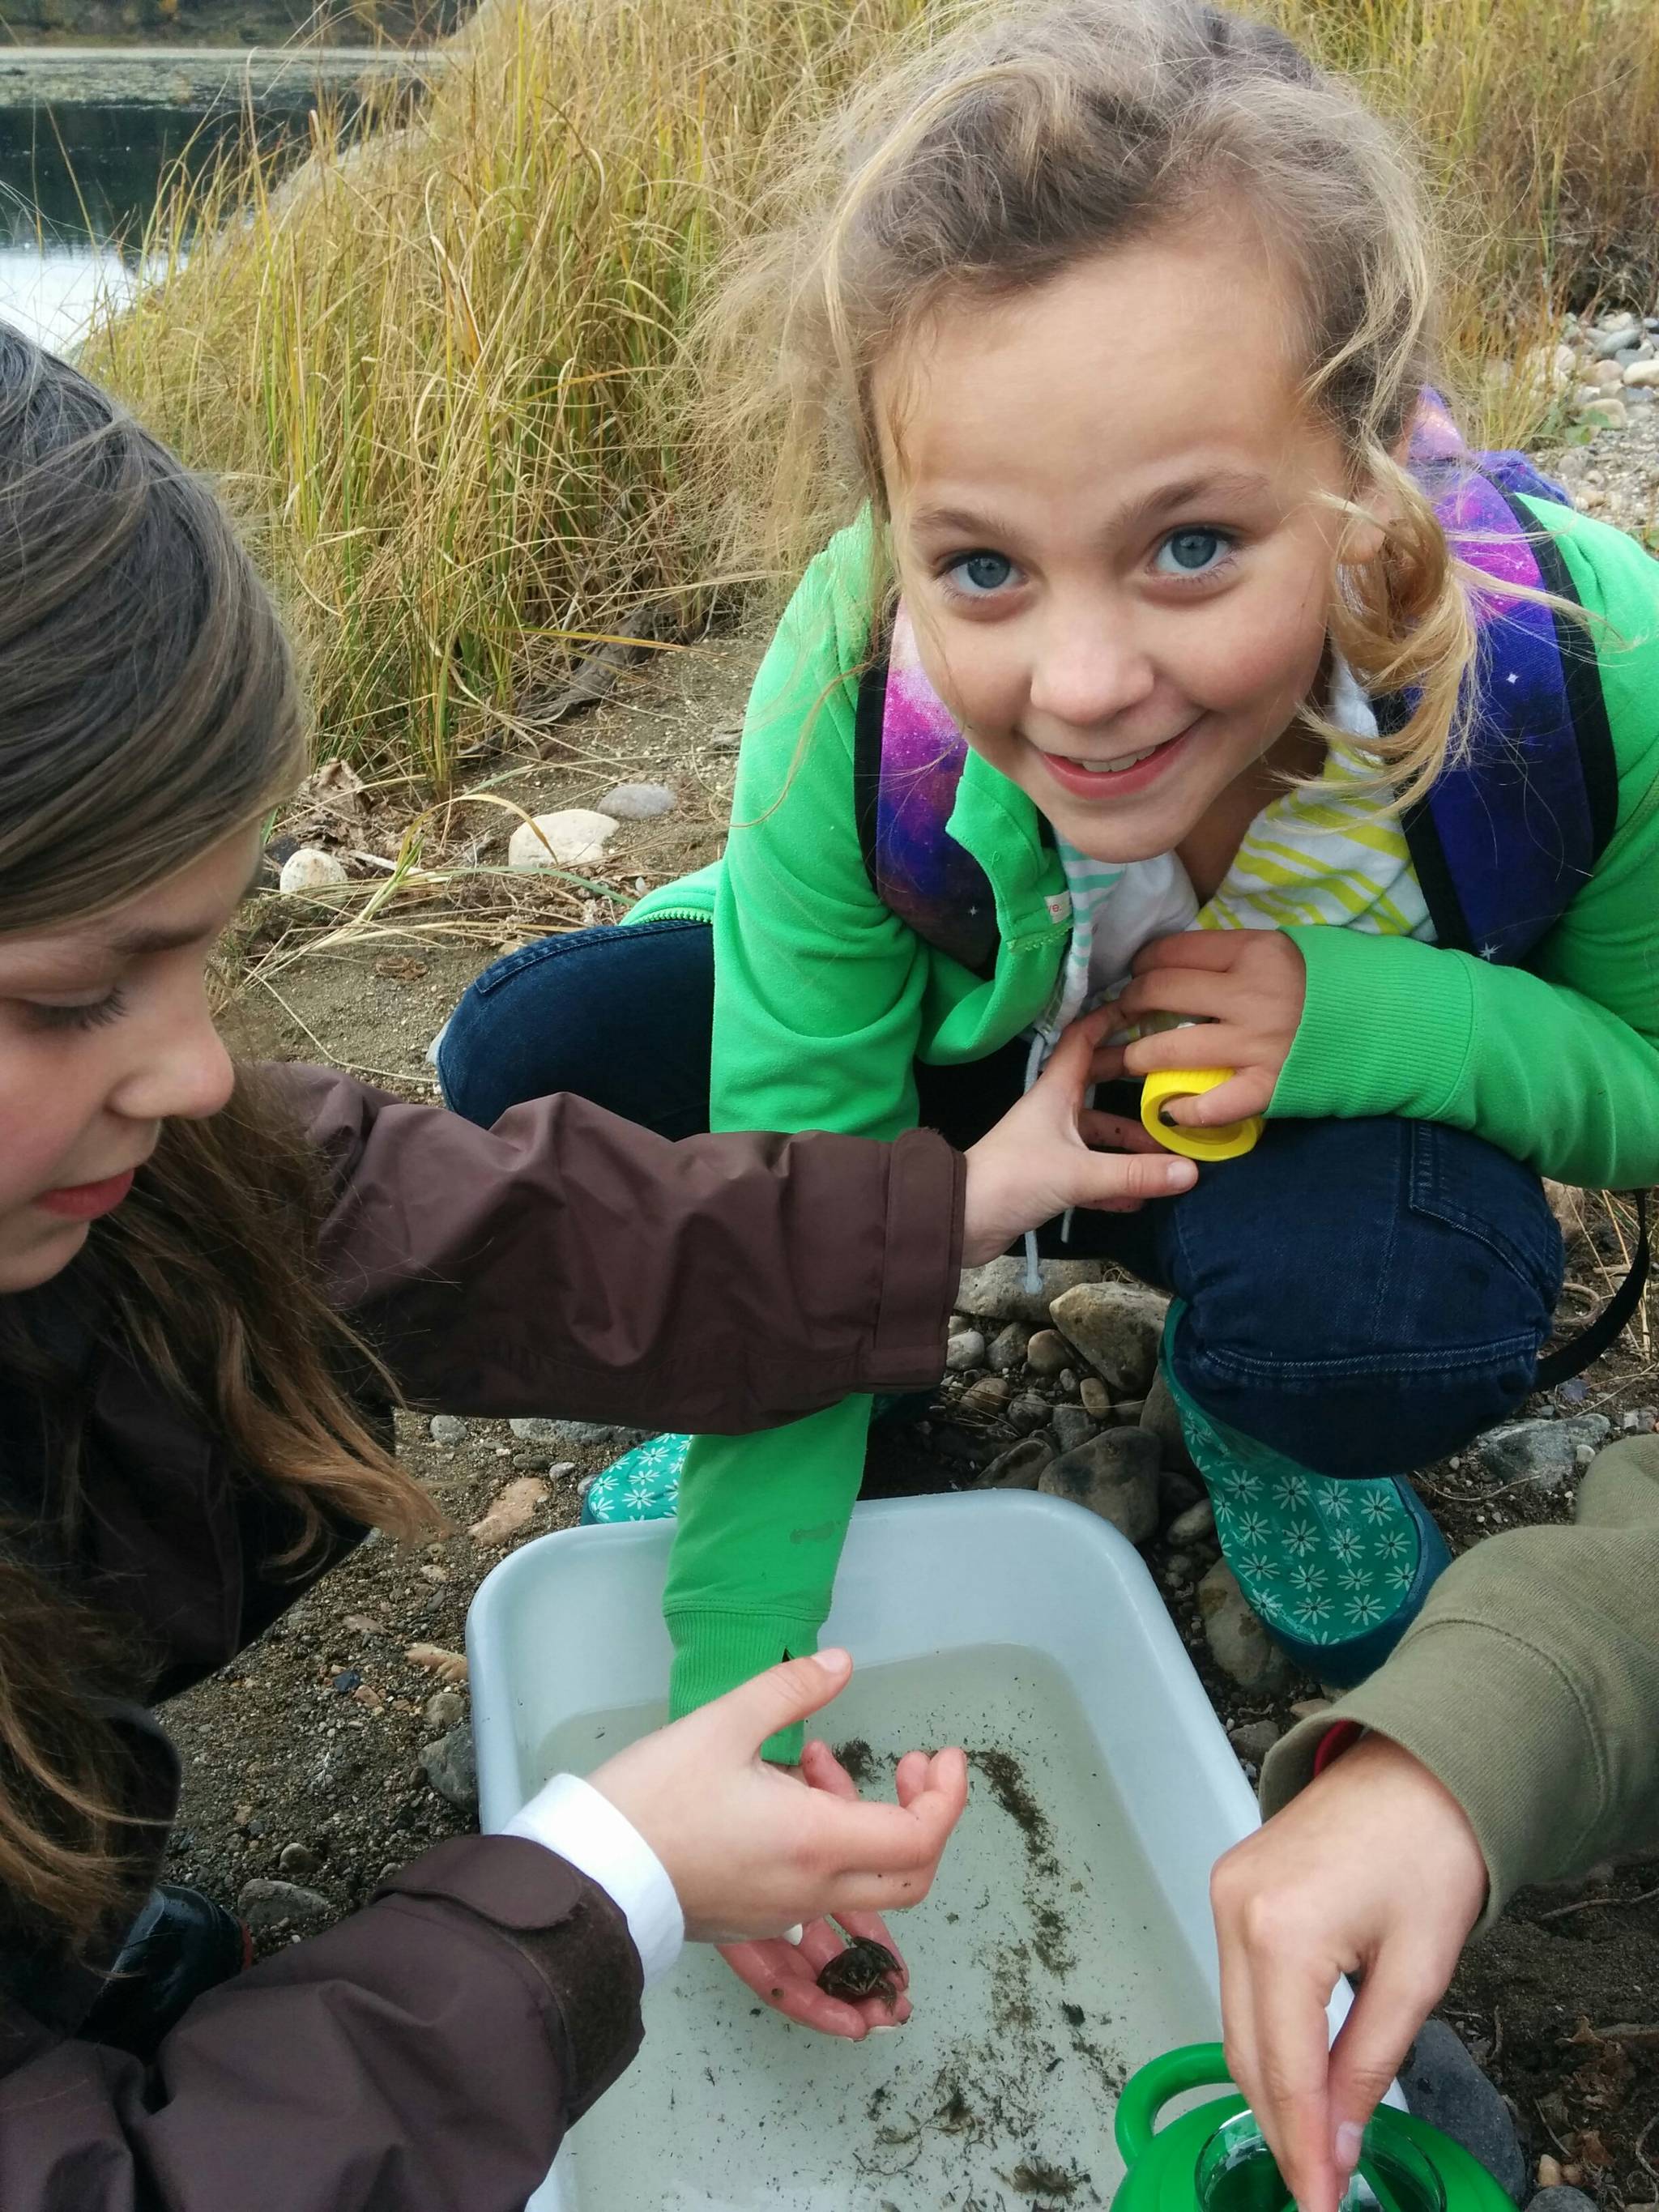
column 1363, row 1296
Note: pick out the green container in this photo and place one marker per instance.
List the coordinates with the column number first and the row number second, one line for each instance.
column 1215, row 2158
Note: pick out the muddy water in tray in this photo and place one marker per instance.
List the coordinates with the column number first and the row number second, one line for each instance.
column 1042, row 1970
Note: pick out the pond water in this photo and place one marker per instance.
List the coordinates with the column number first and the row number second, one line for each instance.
column 78, row 180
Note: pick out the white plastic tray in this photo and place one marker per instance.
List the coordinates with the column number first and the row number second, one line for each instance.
column 571, row 1626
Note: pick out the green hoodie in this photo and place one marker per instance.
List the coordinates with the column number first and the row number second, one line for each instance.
column 823, row 1000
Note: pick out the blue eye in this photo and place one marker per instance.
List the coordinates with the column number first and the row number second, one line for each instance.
column 1190, row 552
column 976, row 574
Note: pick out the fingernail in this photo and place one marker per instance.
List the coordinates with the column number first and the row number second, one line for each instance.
column 1349, row 2136
column 886, row 2028
column 834, row 1661
column 793, row 1934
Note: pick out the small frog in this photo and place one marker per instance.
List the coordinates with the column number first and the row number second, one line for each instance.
column 864, row 1969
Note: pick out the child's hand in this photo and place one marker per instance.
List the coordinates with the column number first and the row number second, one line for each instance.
column 1373, row 1870
column 1051, row 1151
column 784, row 1973
column 1249, row 984
column 753, row 1850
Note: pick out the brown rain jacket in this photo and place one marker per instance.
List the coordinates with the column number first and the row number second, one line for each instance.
column 427, row 2053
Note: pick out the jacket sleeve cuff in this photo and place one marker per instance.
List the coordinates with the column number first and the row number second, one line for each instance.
column 1528, row 1777
column 927, row 1185
column 1387, row 1027
column 571, row 1817
column 569, row 1930
column 715, row 1652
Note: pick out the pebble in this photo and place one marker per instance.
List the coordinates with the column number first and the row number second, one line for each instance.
column 1007, row 1347
column 1644, row 374
column 1179, row 1569
column 265, row 1904
column 443, row 1708
column 1607, row 375
column 448, row 1429
column 1067, row 1383
column 309, row 869
column 1253, row 1739
column 1028, row 1414
column 452, row 1769
column 511, row 1514
column 1117, row 1327
column 297, row 1858
column 1608, row 341
column 638, row 802
column 1549, row 2171
column 965, row 1352
column 1238, row 1643
column 1160, row 1416
column 1071, row 1427
column 1542, row 1452
column 1193, row 1526
column 1020, row 1467
column 1556, row 2197
column 997, row 1290
column 1046, row 1353
column 988, row 1397
column 1308, row 1709
column 1444, row 2086
column 574, row 836
column 1114, row 1475
column 1097, row 1402
column 1608, row 413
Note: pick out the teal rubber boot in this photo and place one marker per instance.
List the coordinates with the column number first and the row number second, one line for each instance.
column 1335, row 1571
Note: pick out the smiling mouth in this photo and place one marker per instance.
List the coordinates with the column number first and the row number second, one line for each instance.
column 1092, row 776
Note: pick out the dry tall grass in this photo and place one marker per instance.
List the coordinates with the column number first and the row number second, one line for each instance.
column 441, row 372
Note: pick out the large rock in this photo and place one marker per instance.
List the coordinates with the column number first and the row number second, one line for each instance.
column 1560, row 2198
column 1543, row 1452
column 575, row 836
column 997, row 1290
column 1160, row 1418
column 1117, row 1327
column 1238, row 1643
column 452, row 1768
column 1114, row 1475
column 267, row 1905
column 1444, row 2086
column 1020, row 1467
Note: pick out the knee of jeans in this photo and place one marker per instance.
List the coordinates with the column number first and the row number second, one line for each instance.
column 1376, row 1361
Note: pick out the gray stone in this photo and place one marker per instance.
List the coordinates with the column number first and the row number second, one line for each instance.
column 1020, row 1467
column 452, row 1769
column 1607, row 342
column 1238, row 1643
column 1253, row 1739
column 267, row 1905
column 988, row 1397
column 965, row 1352
column 1067, row 1383
column 1114, row 1475
column 1444, row 2086
column 296, row 1858
column 1160, row 1416
column 572, row 1436
column 1126, row 1412
column 1605, row 411
column 1071, row 1427
column 1544, row 1452
column 1096, row 1402
column 1007, row 1347
column 1179, row 1569
column 1028, row 1414
column 1046, row 1353
column 448, row 1429
column 572, row 837
column 1560, row 2198
column 1117, row 1327
column 443, row 1708
column 638, row 802
column 1193, row 1526
column 997, row 1290
column 1177, row 1491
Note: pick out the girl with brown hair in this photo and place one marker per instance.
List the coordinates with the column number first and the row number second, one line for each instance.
column 214, row 1283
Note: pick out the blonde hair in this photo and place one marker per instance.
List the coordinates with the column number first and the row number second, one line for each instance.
column 1017, row 145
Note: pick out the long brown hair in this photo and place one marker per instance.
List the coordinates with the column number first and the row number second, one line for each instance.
column 148, row 709
column 1024, row 140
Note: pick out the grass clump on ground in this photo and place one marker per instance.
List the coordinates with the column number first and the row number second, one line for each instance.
column 442, row 369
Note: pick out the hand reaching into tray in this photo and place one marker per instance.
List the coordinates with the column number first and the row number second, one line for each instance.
column 753, row 1850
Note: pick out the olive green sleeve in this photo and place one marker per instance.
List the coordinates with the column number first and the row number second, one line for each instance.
column 1530, row 1686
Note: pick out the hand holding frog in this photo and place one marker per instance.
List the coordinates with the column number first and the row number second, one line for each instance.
column 1248, row 985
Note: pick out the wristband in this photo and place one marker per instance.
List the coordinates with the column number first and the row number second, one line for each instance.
column 1226, row 1141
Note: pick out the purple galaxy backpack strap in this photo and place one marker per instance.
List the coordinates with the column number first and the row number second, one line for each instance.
column 1511, row 830
column 907, row 762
